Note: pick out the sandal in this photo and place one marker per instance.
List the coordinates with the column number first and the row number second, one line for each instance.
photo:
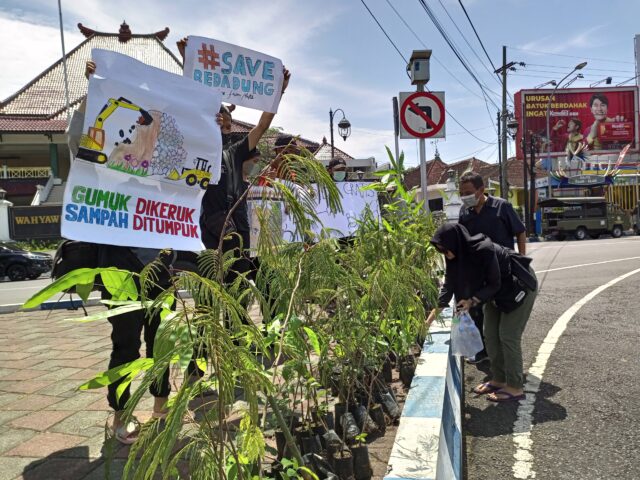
column 485, row 388
column 508, row 398
column 126, row 434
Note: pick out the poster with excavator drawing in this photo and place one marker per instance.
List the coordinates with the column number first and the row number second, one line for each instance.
column 244, row 77
column 149, row 148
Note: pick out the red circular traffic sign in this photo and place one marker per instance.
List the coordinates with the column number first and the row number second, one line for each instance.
column 408, row 105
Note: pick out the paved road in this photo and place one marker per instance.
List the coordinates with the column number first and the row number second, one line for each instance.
column 18, row 292
column 586, row 413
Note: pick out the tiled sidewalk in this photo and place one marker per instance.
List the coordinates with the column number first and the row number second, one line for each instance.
column 48, row 429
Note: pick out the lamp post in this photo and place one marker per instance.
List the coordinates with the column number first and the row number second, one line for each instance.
column 580, row 66
column 344, row 128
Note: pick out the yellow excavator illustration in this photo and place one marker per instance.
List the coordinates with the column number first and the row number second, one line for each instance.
column 201, row 174
column 92, row 143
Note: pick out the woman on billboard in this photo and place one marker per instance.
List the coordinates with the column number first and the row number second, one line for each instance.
column 599, row 104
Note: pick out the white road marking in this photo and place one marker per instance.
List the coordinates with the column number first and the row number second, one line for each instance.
column 587, row 264
column 578, row 243
column 523, row 467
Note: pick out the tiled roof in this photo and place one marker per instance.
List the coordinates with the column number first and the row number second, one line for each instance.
column 40, row 106
column 324, row 152
column 436, row 169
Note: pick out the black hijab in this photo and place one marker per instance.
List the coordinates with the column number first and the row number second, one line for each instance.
column 466, row 272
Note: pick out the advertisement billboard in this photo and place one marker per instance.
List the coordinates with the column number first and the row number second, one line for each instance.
column 605, row 119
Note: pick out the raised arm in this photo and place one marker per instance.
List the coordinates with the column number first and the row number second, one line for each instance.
column 266, row 118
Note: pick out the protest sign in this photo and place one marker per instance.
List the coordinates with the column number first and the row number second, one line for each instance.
column 244, row 77
column 150, row 148
column 354, row 200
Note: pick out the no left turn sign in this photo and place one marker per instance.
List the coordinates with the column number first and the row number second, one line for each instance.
column 422, row 115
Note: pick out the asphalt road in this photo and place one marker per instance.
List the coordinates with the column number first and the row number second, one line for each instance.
column 585, row 418
column 19, row 292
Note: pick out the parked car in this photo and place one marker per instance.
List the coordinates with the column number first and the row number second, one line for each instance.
column 18, row 264
column 582, row 217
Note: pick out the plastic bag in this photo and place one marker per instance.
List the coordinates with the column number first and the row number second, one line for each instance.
column 465, row 336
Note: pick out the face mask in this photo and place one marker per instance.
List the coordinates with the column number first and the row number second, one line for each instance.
column 339, row 176
column 469, row 200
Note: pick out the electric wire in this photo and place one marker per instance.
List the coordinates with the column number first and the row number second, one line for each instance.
column 455, row 77
column 570, row 56
column 385, row 32
column 491, row 72
column 406, row 62
column 444, row 35
column 477, row 36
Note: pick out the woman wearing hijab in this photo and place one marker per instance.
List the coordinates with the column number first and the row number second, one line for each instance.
column 479, row 271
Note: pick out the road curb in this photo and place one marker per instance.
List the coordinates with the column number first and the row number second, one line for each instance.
column 57, row 305
column 428, row 443
column 61, row 305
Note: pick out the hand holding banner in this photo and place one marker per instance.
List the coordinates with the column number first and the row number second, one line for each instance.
column 244, row 77
column 150, row 147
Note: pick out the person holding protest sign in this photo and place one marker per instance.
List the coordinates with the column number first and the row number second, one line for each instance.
column 239, row 160
column 127, row 328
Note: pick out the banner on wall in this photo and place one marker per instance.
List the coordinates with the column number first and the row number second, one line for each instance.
column 244, row 77
column 355, row 202
column 149, row 148
column 605, row 119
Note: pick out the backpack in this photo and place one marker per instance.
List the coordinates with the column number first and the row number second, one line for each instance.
column 520, row 282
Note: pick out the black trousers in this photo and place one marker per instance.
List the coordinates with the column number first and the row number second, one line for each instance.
column 128, row 327
column 478, row 318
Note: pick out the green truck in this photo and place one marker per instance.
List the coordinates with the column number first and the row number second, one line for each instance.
column 582, row 217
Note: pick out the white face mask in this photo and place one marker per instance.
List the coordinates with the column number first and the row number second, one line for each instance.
column 339, row 176
column 469, row 200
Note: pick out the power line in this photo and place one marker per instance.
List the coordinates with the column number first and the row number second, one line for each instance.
column 564, row 69
column 472, row 154
column 406, row 62
column 477, row 36
column 571, row 56
column 468, row 44
column 385, row 33
column 442, row 31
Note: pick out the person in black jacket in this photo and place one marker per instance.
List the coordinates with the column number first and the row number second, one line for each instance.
column 479, row 271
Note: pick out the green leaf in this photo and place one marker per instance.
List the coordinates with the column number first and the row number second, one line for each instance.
column 107, row 378
column 120, row 284
column 81, row 276
column 84, row 290
column 112, row 312
column 313, row 339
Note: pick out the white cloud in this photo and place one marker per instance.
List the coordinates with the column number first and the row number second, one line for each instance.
column 38, row 47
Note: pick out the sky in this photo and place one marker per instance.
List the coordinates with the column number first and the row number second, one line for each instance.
column 340, row 58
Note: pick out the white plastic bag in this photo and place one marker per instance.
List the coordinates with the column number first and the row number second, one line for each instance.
column 465, row 336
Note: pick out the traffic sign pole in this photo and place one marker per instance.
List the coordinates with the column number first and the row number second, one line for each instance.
column 423, row 165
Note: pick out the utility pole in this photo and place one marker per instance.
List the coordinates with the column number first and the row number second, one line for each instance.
column 504, row 192
column 396, row 125
column 527, row 217
column 532, row 186
column 499, row 154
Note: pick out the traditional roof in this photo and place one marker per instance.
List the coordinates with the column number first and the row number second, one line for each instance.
column 40, row 106
column 436, row 169
column 324, row 152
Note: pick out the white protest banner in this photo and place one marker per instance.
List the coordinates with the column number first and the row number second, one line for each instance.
column 150, row 147
column 354, row 200
column 244, row 77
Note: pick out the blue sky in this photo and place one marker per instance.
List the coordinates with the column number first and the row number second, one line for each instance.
column 341, row 59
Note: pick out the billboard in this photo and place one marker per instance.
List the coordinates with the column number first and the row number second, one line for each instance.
column 605, row 119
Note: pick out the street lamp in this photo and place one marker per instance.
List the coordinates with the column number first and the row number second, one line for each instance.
column 573, row 80
column 344, row 128
column 580, row 66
